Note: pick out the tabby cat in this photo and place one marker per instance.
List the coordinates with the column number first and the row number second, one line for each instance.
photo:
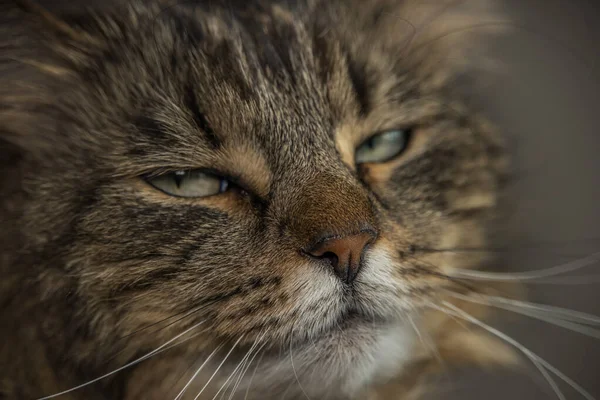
column 241, row 199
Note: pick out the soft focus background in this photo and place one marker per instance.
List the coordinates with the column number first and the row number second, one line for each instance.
column 548, row 103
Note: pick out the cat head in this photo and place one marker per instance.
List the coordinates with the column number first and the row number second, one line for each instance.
column 273, row 177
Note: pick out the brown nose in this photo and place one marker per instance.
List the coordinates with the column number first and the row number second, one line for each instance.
column 344, row 253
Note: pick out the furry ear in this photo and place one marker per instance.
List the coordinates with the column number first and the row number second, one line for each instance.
column 450, row 36
column 437, row 40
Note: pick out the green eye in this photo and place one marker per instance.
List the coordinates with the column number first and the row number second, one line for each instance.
column 189, row 183
column 382, row 147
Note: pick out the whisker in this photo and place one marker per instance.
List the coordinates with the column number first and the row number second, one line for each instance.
column 218, row 368
column 240, row 365
column 186, row 313
column 189, row 382
column 287, row 390
column 495, row 250
column 182, row 341
column 152, row 331
column 241, row 377
column 569, row 315
column 253, row 374
column 548, row 378
column 294, row 367
column 427, row 342
column 134, row 362
column 568, row 280
column 521, row 247
column 529, row 275
column 565, row 378
column 451, row 309
column 188, row 369
column 554, row 321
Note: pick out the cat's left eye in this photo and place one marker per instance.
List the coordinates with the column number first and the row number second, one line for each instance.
column 382, row 147
column 189, row 183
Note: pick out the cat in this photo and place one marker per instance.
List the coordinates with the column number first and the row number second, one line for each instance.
column 246, row 199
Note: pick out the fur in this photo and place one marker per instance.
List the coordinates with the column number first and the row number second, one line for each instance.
column 99, row 268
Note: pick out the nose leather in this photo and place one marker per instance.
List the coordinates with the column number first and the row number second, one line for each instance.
column 344, row 253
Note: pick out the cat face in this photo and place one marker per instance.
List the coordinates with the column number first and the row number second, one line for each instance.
column 271, row 177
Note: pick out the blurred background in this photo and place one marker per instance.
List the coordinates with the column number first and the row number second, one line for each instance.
column 548, row 104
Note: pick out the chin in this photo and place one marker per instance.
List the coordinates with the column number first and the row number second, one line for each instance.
column 341, row 364
column 367, row 345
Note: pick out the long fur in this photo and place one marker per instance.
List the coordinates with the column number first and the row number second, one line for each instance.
column 99, row 268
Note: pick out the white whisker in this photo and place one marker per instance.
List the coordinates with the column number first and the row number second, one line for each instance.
column 218, row 368
column 568, row 280
column 134, row 362
column 253, row 374
column 285, row 393
column 189, row 382
column 243, row 373
column 187, row 339
column 572, row 326
column 240, row 365
column 451, row 309
column 553, row 311
column 548, row 378
column 294, row 368
column 529, row 275
column 427, row 341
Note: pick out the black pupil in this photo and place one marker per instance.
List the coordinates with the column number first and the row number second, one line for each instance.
column 178, row 177
column 371, row 143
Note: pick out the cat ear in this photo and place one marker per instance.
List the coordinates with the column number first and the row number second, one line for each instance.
column 451, row 37
column 436, row 40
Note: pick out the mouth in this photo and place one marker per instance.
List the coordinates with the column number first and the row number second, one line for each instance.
column 354, row 316
column 349, row 352
column 350, row 323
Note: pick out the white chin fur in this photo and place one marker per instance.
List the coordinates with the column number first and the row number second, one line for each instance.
column 339, row 366
column 346, row 361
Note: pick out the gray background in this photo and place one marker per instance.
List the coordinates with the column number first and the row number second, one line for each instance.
column 548, row 105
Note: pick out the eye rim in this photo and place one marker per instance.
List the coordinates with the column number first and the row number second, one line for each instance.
column 408, row 134
column 229, row 183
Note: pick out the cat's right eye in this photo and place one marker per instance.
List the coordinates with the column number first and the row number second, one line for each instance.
column 189, row 183
column 383, row 146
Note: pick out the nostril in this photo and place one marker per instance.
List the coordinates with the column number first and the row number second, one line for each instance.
column 345, row 253
column 331, row 257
